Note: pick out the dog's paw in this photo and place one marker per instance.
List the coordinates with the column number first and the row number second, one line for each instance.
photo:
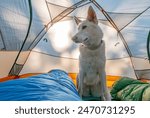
column 108, row 96
column 103, row 98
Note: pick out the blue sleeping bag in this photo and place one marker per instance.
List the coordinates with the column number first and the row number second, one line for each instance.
column 52, row 86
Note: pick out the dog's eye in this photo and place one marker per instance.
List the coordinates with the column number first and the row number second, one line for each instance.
column 83, row 27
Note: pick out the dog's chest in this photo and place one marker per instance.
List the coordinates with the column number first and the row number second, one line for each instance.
column 92, row 60
column 91, row 64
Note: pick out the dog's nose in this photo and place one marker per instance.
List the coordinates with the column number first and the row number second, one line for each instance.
column 75, row 39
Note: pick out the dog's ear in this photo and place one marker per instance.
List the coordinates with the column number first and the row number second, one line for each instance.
column 92, row 15
column 77, row 20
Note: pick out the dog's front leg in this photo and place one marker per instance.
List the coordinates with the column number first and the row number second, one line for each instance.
column 80, row 80
column 104, row 91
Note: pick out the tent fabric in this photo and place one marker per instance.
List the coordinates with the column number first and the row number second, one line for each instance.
column 128, row 89
column 110, row 79
column 73, row 76
column 54, row 86
column 125, row 25
column 17, row 76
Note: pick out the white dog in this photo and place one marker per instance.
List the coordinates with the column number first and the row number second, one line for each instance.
column 92, row 76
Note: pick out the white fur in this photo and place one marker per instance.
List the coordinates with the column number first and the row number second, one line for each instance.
column 92, row 76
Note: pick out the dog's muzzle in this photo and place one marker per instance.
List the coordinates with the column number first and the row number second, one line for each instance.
column 75, row 39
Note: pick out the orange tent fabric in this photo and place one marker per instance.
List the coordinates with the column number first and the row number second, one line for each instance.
column 110, row 79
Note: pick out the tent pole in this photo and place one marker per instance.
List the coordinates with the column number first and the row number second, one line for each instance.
column 120, row 34
column 21, row 49
column 2, row 41
column 135, row 18
column 148, row 46
column 56, row 19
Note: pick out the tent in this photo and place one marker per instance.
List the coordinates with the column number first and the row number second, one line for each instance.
column 35, row 36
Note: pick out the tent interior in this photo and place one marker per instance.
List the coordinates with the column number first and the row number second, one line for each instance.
column 35, row 37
